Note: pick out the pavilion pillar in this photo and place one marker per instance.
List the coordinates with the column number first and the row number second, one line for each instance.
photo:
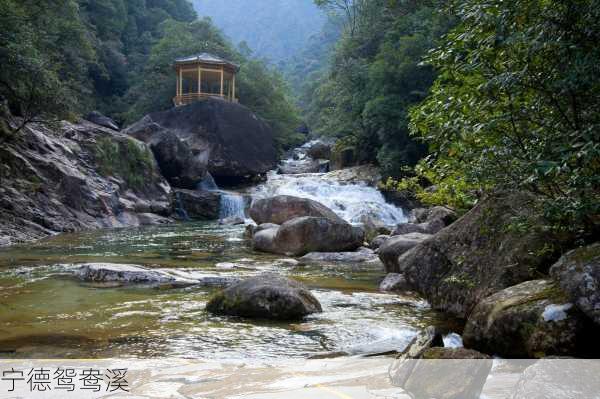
column 180, row 78
column 221, row 81
column 199, row 80
column 233, row 90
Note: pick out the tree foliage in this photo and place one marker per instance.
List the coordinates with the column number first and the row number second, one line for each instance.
column 516, row 104
column 375, row 77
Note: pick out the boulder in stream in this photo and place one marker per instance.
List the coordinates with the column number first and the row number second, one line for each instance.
column 197, row 205
column 303, row 235
column 530, row 320
column 265, row 297
column 578, row 273
column 480, row 254
column 281, row 208
column 392, row 248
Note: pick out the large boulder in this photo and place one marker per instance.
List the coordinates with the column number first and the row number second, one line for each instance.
column 530, row 320
column 282, row 208
column 395, row 246
column 265, row 297
column 197, row 205
column 233, row 143
column 319, row 149
column 432, row 227
column 480, row 254
column 303, row 235
column 66, row 177
column 578, row 273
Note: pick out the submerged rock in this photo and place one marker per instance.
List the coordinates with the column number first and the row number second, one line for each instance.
column 392, row 248
column 578, row 274
column 532, row 319
column 123, row 274
column 233, row 143
column 363, row 255
column 127, row 274
column 282, row 208
column 265, row 297
column 303, row 235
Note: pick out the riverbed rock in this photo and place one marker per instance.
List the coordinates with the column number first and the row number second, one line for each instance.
column 318, row 149
column 446, row 215
column 231, row 221
column 378, row 241
column 578, row 274
column 68, row 177
column 395, row 246
column 295, row 167
column 363, row 255
column 394, row 282
column 265, row 297
column 234, row 143
column 480, row 254
column 264, row 240
column 530, row 320
column 559, row 379
column 365, row 174
column 197, row 205
column 432, row 227
column 102, row 120
column 374, row 225
column 444, row 374
column 281, row 208
column 303, row 235
column 127, row 274
column 404, row 199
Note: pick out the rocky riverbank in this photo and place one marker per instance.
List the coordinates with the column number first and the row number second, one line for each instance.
column 72, row 176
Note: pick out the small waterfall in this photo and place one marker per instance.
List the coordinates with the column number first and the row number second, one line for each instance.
column 352, row 202
column 232, row 205
column 180, row 209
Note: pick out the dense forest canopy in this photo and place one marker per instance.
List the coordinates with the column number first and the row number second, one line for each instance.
column 480, row 95
column 276, row 30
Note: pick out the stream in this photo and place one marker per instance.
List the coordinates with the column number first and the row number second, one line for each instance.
column 45, row 312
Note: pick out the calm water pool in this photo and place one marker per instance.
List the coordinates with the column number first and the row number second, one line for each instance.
column 47, row 313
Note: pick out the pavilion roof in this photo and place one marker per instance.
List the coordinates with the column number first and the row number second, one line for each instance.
column 207, row 59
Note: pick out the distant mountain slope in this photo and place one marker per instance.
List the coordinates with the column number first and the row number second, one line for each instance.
column 274, row 29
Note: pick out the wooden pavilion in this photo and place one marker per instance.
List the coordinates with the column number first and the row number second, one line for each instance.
column 202, row 76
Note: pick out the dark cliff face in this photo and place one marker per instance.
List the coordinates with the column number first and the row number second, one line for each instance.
column 71, row 177
column 223, row 138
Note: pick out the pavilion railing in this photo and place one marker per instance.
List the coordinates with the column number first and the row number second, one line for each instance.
column 188, row 98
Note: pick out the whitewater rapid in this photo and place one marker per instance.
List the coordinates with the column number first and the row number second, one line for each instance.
column 351, row 201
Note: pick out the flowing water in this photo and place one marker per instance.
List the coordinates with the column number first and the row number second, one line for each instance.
column 46, row 312
column 350, row 201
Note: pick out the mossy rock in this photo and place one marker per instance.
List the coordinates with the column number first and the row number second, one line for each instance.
column 533, row 319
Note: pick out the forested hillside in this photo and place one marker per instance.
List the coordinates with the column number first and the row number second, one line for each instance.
column 454, row 100
column 65, row 58
column 273, row 29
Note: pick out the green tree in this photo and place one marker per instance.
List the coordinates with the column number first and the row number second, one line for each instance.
column 516, row 105
column 44, row 53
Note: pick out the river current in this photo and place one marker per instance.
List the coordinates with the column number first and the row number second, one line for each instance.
column 45, row 312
